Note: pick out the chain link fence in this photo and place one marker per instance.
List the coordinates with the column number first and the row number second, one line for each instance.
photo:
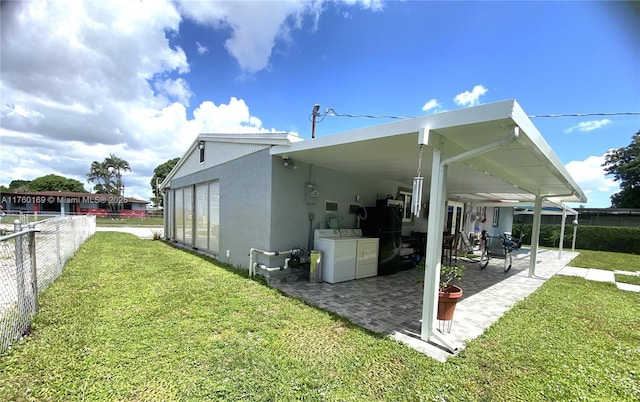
column 30, row 259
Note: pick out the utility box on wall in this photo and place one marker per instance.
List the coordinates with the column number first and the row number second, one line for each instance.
column 310, row 193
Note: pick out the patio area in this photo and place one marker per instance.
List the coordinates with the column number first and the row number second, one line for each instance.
column 392, row 304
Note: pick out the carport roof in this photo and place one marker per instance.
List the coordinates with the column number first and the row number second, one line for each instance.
column 517, row 171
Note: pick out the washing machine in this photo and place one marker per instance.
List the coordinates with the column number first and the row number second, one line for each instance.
column 338, row 255
column 366, row 253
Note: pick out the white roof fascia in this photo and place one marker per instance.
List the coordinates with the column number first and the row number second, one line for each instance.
column 525, row 124
column 452, row 118
column 258, row 138
column 547, row 204
column 274, row 139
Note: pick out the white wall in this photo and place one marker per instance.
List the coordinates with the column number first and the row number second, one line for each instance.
column 293, row 220
column 505, row 221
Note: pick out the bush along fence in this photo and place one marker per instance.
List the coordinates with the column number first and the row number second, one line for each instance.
column 597, row 238
column 30, row 259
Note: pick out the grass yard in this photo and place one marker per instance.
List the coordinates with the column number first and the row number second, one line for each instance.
column 137, row 320
column 607, row 260
column 631, row 279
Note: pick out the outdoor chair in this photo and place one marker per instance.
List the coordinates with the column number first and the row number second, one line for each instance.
column 450, row 248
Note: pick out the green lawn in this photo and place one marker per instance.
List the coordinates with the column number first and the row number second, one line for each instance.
column 137, row 320
column 607, row 260
column 632, row 279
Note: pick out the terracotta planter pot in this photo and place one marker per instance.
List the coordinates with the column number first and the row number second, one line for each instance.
column 447, row 300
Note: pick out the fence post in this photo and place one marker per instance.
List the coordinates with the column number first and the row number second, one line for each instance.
column 34, row 267
column 20, row 294
column 58, row 247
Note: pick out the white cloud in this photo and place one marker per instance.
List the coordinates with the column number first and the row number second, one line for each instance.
column 111, row 83
column 177, row 89
column 432, row 104
column 590, row 176
column 104, row 77
column 588, row 125
column 233, row 117
column 258, row 26
column 201, row 49
column 472, row 98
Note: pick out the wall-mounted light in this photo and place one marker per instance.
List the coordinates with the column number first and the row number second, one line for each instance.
column 201, row 148
column 288, row 163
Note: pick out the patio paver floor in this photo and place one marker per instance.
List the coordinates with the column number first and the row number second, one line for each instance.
column 392, row 304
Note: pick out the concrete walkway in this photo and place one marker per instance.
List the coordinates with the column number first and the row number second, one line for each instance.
column 600, row 275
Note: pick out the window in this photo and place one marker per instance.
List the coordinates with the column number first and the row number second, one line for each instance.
column 405, row 197
column 496, row 217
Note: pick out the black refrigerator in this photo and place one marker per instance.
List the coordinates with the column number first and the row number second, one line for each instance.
column 384, row 221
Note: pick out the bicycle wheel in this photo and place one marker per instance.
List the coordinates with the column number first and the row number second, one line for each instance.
column 484, row 259
column 507, row 260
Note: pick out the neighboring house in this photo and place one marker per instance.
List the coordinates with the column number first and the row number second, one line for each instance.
column 233, row 192
column 72, row 203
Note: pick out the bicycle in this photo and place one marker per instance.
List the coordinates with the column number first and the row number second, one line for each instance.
column 504, row 250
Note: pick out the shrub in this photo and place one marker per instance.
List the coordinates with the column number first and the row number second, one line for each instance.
column 597, row 238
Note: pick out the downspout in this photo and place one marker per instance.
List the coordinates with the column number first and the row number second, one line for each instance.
column 434, row 241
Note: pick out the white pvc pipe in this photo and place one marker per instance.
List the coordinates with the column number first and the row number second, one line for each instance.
column 252, row 266
column 268, row 269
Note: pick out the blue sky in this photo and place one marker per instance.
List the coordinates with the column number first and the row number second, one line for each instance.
column 81, row 80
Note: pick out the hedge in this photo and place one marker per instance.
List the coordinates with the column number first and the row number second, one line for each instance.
column 598, row 238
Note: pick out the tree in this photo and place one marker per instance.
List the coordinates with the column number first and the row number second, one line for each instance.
column 108, row 178
column 624, row 165
column 54, row 182
column 159, row 174
column 19, row 186
column 99, row 174
column 117, row 167
column 108, row 175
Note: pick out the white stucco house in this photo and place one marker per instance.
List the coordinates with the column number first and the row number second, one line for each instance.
column 233, row 192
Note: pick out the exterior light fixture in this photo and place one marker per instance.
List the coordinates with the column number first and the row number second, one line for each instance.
column 288, row 163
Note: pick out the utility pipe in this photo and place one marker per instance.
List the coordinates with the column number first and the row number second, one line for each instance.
column 266, row 268
column 252, row 268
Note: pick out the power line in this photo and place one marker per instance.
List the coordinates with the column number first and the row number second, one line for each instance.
column 332, row 112
column 585, row 114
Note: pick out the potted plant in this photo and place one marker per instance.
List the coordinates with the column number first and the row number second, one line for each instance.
column 448, row 292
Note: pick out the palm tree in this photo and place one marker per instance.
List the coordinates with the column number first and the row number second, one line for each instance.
column 117, row 166
column 100, row 174
column 108, row 176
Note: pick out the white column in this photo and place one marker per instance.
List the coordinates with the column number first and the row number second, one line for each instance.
column 535, row 235
column 562, row 226
column 434, row 248
column 575, row 229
